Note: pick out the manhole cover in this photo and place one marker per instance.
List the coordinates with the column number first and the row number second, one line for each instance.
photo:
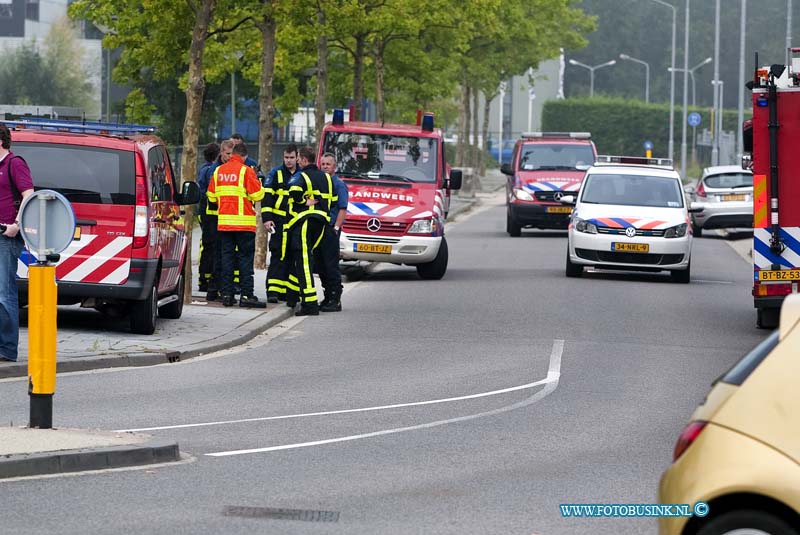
column 271, row 513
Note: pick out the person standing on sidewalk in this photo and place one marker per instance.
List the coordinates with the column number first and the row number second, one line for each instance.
column 16, row 184
column 275, row 214
column 234, row 188
column 327, row 254
column 208, row 224
column 312, row 194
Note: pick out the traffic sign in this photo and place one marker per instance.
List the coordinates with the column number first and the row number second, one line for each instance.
column 47, row 223
column 694, row 119
column 648, row 145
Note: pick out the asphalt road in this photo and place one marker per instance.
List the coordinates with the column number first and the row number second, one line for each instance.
column 472, row 405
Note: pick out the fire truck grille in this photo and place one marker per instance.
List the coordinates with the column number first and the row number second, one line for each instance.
column 387, row 228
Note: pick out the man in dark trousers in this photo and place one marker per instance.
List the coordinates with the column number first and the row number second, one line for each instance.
column 15, row 185
column 234, row 188
column 274, row 214
column 208, row 224
column 312, row 194
column 327, row 254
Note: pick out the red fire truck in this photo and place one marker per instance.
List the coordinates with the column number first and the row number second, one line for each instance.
column 771, row 140
column 399, row 191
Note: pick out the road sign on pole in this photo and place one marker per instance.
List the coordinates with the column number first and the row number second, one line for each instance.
column 694, row 119
column 648, row 148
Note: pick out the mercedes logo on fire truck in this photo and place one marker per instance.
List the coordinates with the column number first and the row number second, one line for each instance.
column 374, row 224
column 630, row 232
column 558, row 196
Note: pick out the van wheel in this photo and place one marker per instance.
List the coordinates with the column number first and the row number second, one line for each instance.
column 746, row 521
column 435, row 270
column 681, row 275
column 573, row 270
column 144, row 313
column 767, row 318
column 174, row 310
column 514, row 230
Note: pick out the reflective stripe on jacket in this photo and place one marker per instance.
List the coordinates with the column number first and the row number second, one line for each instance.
column 309, row 184
column 234, row 188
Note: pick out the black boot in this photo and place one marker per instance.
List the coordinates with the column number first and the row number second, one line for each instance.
column 334, row 303
column 251, row 301
column 308, row 310
column 228, row 300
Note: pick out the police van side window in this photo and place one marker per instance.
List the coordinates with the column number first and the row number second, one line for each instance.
column 160, row 188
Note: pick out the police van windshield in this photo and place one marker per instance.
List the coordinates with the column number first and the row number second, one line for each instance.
column 91, row 175
column 383, row 157
column 555, row 156
column 632, row 190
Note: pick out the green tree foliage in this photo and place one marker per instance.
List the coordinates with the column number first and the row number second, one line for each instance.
column 51, row 75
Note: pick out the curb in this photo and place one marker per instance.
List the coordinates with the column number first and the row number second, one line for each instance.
column 95, row 362
column 79, row 460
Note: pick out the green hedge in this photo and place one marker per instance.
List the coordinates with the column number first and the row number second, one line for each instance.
column 621, row 126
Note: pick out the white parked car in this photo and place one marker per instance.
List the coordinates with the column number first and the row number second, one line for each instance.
column 723, row 199
column 630, row 214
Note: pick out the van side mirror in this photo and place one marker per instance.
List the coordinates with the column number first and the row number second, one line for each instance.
column 454, row 182
column 506, row 169
column 190, row 194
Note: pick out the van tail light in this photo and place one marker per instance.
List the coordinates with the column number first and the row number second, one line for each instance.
column 689, row 434
column 700, row 191
column 141, row 221
column 772, row 289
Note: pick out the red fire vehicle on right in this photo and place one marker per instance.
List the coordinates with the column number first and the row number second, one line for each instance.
column 771, row 142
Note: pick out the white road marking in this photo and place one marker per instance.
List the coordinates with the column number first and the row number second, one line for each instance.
column 551, row 382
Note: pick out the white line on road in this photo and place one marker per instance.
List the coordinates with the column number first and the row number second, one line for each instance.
column 551, row 382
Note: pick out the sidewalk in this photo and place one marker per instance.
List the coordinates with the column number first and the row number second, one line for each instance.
column 87, row 340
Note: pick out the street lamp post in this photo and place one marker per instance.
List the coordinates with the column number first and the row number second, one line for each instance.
column 502, row 89
column 685, row 89
column 717, row 104
column 591, row 71
column 671, row 81
column 531, row 98
column 647, row 74
column 694, row 101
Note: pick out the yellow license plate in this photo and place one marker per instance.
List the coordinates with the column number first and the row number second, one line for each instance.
column 77, row 234
column 630, row 247
column 559, row 209
column 372, row 248
column 781, row 275
column 734, row 197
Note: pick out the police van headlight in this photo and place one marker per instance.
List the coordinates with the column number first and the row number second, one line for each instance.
column 423, row 226
column 522, row 195
column 582, row 225
column 678, row 231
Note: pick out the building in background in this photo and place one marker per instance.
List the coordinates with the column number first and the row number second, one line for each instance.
column 24, row 21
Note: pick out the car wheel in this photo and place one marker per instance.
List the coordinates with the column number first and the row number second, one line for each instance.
column 746, row 521
column 145, row 312
column 697, row 231
column 681, row 275
column 514, row 230
column 435, row 270
column 174, row 309
column 767, row 318
column 573, row 270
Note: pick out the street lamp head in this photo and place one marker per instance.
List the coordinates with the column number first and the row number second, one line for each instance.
column 624, row 56
column 706, row 61
column 608, row 63
column 573, row 62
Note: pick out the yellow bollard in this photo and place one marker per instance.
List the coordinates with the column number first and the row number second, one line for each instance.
column 42, row 301
column 648, row 153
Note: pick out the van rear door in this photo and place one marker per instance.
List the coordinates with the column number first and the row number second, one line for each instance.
column 100, row 184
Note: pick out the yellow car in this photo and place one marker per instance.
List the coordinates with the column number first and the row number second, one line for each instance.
column 740, row 454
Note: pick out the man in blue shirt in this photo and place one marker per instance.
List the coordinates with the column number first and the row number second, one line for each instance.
column 208, row 222
column 327, row 254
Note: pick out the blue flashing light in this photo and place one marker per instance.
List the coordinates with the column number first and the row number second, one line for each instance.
column 338, row 117
column 427, row 122
column 82, row 127
column 762, row 102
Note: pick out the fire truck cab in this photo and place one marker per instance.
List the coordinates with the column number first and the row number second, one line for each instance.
column 770, row 146
column 399, row 186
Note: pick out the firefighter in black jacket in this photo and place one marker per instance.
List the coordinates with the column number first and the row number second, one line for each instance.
column 275, row 214
column 312, row 193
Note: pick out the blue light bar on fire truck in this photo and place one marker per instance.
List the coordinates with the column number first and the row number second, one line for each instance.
column 635, row 160
column 81, row 127
column 565, row 135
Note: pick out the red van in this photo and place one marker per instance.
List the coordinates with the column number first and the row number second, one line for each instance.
column 129, row 249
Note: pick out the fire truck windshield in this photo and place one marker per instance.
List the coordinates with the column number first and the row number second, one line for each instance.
column 371, row 156
column 556, row 156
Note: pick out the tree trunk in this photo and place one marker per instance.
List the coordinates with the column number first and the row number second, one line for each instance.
column 477, row 151
column 379, row 74
column 266, row 112
column 487, row 102
column 467, row 126
column 462, row 125
column 322, row 76
column 358, row 77
column 191, row 125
